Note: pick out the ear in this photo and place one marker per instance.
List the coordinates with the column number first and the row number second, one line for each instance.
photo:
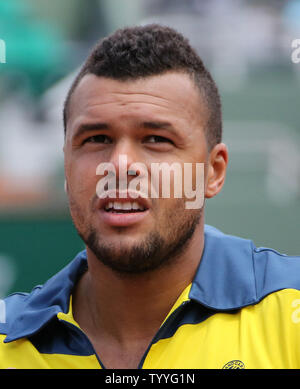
column 217, row 165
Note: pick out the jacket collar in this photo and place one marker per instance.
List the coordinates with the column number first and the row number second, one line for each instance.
column 224, row 281
column 225, row 278
column 46, row 301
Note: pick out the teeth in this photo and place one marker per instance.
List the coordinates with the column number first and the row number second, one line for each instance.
column 117, row 205
column 126, row 206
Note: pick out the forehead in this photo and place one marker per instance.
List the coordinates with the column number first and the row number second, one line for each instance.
column 174, row 94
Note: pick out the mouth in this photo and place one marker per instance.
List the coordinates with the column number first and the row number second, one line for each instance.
column 124, row 207
column 123, row 212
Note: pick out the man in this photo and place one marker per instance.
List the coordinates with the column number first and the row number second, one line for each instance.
column 155, row 287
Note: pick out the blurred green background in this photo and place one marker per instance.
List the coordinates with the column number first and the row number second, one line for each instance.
column 247, row 47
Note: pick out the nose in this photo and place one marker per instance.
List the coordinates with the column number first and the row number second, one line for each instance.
column 125, row 158
column 123, row 165
column 123, row 155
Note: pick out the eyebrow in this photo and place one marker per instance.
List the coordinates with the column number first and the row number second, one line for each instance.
column 153, row 125
column 87, row 127
column 156, row 125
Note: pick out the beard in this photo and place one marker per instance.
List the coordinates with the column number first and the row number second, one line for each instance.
column 153, row 252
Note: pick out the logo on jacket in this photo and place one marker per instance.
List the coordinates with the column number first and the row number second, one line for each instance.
column 235, row 364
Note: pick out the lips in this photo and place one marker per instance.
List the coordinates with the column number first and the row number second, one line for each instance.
column 124, row 201
column 127, row 206
column 123, row 210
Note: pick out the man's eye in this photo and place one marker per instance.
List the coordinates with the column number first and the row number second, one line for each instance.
column 98, row 139
column 157, row 139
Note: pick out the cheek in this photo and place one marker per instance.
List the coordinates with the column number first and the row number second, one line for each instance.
column 187, row 184
column 169, row 210
column 82, row 179
column 174, row 211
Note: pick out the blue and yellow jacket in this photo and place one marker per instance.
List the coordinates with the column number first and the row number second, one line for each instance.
column 242, row 310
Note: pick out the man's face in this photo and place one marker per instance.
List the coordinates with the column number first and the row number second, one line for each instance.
column 152, row 120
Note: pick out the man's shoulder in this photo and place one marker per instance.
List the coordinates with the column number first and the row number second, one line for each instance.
column 268, row 264
column 233, row 272
column 244, row 247
column 10, row 306
column 22, row 314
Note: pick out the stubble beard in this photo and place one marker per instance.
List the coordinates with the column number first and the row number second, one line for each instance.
column 153, row 252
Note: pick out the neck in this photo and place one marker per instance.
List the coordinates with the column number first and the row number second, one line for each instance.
column 127, row 307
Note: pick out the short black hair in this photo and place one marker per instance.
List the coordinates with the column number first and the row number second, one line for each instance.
column 141, row 51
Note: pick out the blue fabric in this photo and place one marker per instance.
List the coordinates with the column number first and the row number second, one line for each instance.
column 225, row 277
column 62, row 338
column 37, row 308
column 232, row 273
